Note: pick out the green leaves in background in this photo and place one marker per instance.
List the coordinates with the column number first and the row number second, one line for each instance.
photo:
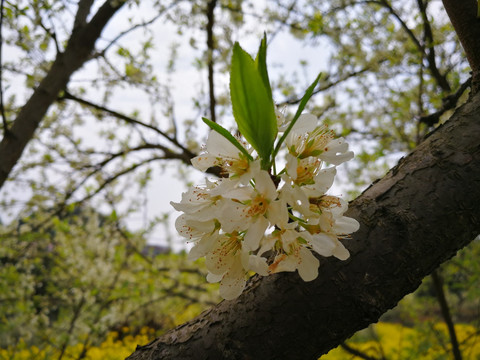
column 252, row 101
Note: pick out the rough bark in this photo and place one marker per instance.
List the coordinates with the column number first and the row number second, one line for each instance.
column 78, row 51
column 419, row 215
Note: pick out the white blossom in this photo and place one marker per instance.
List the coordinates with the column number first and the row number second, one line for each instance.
column 308, row 139
column 236, row 221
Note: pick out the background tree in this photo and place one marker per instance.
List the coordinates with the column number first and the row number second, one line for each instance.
column 390, row 76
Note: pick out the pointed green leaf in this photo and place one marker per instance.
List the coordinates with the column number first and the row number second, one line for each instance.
column 252, row 103
column 261, row 63
column 301, row 106
column 226, row 134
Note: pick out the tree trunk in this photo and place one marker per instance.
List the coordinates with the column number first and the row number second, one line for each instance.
column 463, row 15
column 419, row 215
column 78, row 51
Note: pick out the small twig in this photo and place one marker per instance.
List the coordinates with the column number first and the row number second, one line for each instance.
column 356, row 352
column 134, row 27
column 449, row 102
column 83, row 10
column 52, row 34
column 327, row 86
column 119, row 174
column 447, row 317
column 128, row 119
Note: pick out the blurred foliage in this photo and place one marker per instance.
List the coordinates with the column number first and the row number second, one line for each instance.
column 382, row 341
column 395, row 341
column 416, row 329
column 117, row 345
column 67, row 282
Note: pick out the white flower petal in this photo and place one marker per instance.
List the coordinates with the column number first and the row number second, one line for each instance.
column 278, row 213
column 324, row 179
column 340, row 252
column 283, row 263
column 295, row 196
column 288, row 237
column 308, row 266
column 240, row 193
column 345, row 225
column 267, row 243
column 258, row 264
column 214, row 278
column 338, row 208
column 222, row 187
column 323, row 244
column 204, row 161
column 219, row 260
column 203, row 246
column 336, row 152
column 192, row 229
column 195, row 200
column 338, row 145
column 281, row 121
column 337, row 159
column 218, row 145
column 232, row 217
column 305, row 123
column 255, row 233
column 265, row 186
column 291, row 166
column 233, row 282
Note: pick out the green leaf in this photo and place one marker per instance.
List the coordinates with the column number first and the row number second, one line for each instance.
column 113, row 216
column 261, row 63
column 301, row 106
column 226, row 134
column 252, row 101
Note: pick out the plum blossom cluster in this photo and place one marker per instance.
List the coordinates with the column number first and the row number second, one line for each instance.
column 258, row 219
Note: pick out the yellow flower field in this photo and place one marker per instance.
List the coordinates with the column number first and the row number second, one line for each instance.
column 395, row 342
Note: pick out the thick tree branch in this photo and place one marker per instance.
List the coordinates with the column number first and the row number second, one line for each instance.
column 2, row 106
column 429, row 48
column 419, row 215
column 210, row 48
column 188, row 154
column 463, row 15
column 83, row 10
column 79, row 49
